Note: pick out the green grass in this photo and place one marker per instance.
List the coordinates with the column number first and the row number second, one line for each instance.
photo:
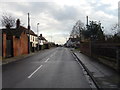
column 78, row 49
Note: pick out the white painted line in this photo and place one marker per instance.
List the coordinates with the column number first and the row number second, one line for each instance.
column 47, row 60
column 35, row 71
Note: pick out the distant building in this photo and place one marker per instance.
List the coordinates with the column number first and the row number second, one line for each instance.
column 73, row 42
column 42, row 41
column 69, row 43
column 14, row 41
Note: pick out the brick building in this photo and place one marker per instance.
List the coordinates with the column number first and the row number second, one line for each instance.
column 14, row 41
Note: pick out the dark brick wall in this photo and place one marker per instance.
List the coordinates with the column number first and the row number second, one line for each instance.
column 85, row 48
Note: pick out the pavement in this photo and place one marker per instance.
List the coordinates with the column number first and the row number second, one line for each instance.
column 20, row 57
column 53, row 68
column 104, row 76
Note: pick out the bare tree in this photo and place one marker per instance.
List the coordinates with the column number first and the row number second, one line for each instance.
column 115, row 27
column 8, row 21
column 77, row 28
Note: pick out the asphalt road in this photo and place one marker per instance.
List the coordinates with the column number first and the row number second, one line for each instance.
column 53, row 68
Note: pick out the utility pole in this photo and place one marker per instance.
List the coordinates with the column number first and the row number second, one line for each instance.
column 38, row 37
column 66, row 39
column 28, row 21
column 87, row 22
column 28, row 33
column 80, row 33
column 118, row 58
column 90, row 42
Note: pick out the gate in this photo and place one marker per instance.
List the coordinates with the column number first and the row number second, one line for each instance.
column 9, row 51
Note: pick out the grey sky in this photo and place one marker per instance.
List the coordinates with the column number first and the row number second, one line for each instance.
column 57, row 18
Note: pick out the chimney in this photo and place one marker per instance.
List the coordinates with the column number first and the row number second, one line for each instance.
column 40, row 35
column 17, row 23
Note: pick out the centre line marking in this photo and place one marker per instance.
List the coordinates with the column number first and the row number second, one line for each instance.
column 47, row 59
column 35, row 71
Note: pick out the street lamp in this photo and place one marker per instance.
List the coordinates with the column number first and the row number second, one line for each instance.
column 38, row 37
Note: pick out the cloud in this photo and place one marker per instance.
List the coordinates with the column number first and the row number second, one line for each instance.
column 57, row 18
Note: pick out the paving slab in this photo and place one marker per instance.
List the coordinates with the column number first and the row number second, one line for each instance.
column 104, row 75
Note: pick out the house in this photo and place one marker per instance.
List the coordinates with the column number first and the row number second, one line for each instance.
column 14, row 41
column 43, row 41
column 73, row 42
column 33, row 41
column 69, row 43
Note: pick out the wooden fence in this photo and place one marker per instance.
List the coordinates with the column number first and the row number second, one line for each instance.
column 107, row 51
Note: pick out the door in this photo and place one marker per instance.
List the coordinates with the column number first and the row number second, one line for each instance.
column 9, row 49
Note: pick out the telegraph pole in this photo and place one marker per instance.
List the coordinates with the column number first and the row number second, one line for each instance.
column 66, row 39
column 90, row 42
column 38, row 37
column 51, row 38
column 118, row 58
column 28, row 33
column 28, row 21
column 87, row 22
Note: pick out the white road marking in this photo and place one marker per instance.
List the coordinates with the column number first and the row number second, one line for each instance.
column 47, row 60
column 35, row 71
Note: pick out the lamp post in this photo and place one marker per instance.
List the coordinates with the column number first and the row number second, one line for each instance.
column 38, row 37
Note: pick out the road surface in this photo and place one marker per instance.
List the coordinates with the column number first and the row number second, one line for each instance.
column 53, row 68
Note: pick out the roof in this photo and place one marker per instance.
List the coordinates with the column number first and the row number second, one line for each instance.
column 74, row 39
column 42, row 38
column 27, row 31
column 17, row 31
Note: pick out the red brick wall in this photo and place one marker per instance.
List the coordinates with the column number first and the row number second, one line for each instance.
column 16, row 46
column 4, row 45
column 20, row 45
column 24, row 43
